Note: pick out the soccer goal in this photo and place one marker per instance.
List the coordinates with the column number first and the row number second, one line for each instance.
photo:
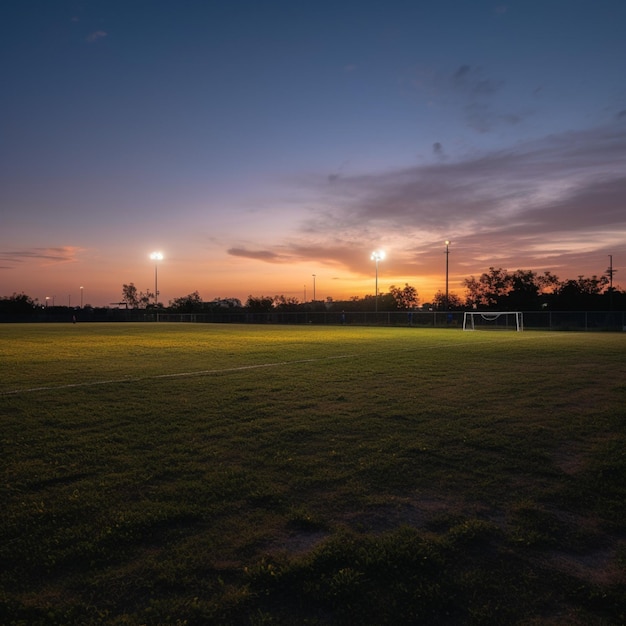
column 502, row 320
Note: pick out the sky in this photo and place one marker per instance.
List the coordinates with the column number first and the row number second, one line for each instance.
column 268, row 147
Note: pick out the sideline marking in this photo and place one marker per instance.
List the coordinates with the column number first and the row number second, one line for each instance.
column 113, row 381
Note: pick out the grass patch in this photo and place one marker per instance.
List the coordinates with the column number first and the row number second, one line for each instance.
column 201, row 474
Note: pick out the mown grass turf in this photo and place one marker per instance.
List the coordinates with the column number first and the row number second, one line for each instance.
column 203, row 474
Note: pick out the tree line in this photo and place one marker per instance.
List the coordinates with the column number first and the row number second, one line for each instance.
column 497, row 289
column 521, row 290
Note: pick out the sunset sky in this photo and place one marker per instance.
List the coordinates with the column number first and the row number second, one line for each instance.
column 256, row 143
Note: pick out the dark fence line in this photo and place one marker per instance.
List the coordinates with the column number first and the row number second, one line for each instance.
column 533, row 320
column 545, row 320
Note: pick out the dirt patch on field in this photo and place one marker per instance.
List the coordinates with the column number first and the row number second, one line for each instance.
column 598, row 567
column 427, row 512
column 295, row 542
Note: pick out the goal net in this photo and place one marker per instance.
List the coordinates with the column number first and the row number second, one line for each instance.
column 501, row 320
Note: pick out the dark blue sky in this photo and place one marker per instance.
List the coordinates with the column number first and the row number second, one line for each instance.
column 258, row 143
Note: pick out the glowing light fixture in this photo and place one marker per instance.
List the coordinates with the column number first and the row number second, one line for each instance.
column 377, row 255
column 156, row 257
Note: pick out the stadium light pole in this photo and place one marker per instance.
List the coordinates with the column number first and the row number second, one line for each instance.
column 313, row 287
column 377, row 255
column 81, row 296
column 156, row 257
column 447, row 255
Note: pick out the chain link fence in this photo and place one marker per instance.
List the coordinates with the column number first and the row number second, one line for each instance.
column 533, row 320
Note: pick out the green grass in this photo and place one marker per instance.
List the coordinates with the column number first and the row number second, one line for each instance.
column 204, row 474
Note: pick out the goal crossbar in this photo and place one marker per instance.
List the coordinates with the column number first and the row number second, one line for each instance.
column 512, row 319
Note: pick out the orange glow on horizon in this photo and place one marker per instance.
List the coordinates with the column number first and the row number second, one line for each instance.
column 102, row 278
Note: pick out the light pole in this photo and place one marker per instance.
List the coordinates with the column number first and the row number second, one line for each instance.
column 313, row 287
column 81, row 297
column 377, row 255
column 447, row 255
column 156, row 257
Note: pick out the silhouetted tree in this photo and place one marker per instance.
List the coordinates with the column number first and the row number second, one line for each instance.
column 386, row 302
column 583, row 293
column 226, row 303
column 17, row 307
column 259, row 303
column 524, row 291
column 405, row 298
column 135, row 299
column 130, row 295
column 548, row 282
column 520, row 290
column 454, row 301
column 286, row 303
column 489, row 288
column 191, row 303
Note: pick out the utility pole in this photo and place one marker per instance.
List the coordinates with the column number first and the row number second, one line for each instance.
column 610, row 273
column 447, row 257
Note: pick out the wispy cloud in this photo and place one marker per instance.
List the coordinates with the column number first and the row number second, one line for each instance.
column 471, row 80
column 469, row 92
column 259, row 255
column 45, row 256
column 96, row 36
column 535, row 178
column 534, row 203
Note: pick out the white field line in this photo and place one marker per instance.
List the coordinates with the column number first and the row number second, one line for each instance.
column 116, row 381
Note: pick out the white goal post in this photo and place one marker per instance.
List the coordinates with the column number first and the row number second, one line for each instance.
column 491, row 319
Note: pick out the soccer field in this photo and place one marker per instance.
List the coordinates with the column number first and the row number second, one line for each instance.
column 226, row 474
column 58, row 355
